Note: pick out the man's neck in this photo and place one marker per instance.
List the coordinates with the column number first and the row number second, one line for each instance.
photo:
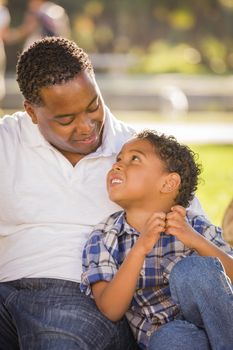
column 73, row 158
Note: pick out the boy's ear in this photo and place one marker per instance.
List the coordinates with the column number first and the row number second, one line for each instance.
column 171, row 183
column 30, row 111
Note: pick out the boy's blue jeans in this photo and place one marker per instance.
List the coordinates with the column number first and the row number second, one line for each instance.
column 204, row 293
column 50, row 314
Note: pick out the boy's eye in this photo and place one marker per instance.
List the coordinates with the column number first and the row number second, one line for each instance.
column 134, row 157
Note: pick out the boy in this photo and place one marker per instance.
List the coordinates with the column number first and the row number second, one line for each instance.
column 129, row 258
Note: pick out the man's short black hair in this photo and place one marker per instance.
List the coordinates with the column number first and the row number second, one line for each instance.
column 49, row 61
column 177, row 158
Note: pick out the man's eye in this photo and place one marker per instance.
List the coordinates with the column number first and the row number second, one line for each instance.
column 65, row 120
column 93, row 109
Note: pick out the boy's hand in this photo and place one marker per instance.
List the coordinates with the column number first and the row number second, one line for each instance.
column 151, row 232
column 177, row 225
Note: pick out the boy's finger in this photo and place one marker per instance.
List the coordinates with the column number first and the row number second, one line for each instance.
column 179, row 209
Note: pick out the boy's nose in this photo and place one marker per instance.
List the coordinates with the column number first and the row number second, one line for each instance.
column 117, row 166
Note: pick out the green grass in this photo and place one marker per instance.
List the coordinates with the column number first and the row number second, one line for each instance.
column 215, row 189
column 190, row 117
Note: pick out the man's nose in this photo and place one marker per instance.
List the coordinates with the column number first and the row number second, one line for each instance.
column 83, row 125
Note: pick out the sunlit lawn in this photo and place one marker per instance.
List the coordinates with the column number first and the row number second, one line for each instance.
column 215, row 190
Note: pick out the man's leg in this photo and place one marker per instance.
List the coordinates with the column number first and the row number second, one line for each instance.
column 55, row 315
column 203, row 291
column 8, row 333
column 179, row 335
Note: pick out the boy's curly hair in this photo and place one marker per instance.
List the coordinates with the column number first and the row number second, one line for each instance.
column 49, row 61
column 177, row 158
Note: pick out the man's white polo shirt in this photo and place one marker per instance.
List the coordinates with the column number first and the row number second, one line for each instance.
column 47, row 206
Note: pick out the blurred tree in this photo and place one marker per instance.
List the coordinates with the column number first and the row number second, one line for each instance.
column 200, row 32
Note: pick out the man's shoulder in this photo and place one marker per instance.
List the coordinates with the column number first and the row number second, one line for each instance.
column 120, row 126
column 11, row 124
column 13, row 119
column 116, row 132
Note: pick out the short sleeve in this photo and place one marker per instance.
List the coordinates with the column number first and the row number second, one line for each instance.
column 98, row 261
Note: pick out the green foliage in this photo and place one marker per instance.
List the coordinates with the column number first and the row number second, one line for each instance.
column 163, row 57
column 167, row 36
column 215, row 190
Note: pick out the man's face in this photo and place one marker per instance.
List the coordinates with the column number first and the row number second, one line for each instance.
column 72, row 116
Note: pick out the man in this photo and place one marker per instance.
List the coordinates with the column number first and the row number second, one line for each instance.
column 53, row 162
column 54, row 158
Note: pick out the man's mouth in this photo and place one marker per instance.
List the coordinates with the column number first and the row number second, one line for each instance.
column 87, row 140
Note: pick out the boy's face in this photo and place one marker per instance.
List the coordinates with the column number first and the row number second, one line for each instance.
column 137, row 176
column 72, row 117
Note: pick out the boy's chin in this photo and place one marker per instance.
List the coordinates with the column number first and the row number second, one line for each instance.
column 116, row 201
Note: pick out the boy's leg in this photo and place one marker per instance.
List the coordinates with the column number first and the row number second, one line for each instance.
column 178, row 335
column 55, row 315
column 203, row 291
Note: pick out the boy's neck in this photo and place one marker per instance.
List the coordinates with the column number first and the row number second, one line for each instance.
column 137, row 217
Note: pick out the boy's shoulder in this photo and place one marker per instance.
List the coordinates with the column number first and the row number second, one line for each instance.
column 105, row 235
column 112, row 223
column 197, row 221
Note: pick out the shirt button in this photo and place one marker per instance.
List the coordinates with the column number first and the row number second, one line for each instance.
column 148, row 333
column 142, row 273
column 139, row 292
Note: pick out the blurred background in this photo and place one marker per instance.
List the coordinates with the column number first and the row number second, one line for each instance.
column 162, row 64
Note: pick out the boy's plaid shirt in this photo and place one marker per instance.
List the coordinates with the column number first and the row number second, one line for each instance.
column 151, row 305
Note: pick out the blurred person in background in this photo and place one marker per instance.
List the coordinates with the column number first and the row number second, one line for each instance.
column 4, row 23
column 42, row 18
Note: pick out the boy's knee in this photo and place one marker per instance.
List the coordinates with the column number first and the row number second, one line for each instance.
column 194, row 271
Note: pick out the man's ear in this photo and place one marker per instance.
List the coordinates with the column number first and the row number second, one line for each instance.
column 30, row 111
column 171, row 183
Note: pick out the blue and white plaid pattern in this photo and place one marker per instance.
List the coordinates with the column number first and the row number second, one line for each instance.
column 152, row 305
